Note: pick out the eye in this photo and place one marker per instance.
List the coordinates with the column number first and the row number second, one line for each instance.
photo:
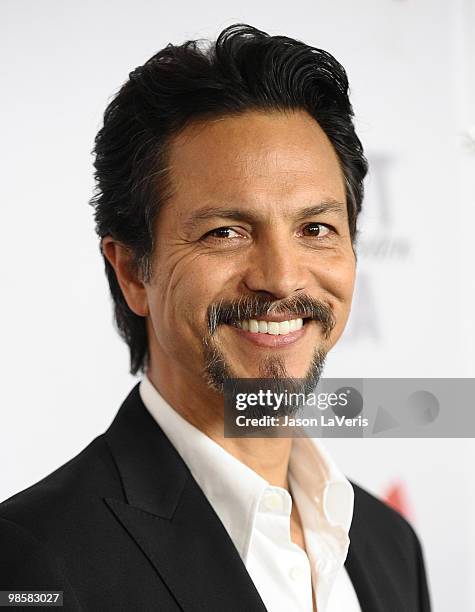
column 223, row 233
column 316, row 230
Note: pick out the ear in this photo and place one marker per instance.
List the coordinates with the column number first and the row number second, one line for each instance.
column 120, row 258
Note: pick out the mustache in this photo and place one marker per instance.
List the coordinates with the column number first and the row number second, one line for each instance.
column 251, row 307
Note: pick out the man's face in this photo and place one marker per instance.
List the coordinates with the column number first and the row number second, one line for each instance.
column 255, row 237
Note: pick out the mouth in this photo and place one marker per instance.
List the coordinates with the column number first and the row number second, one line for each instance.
column 272, row 330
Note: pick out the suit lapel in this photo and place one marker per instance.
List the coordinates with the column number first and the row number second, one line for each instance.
column 361, row 578
column 170, row 519
column 367, row 565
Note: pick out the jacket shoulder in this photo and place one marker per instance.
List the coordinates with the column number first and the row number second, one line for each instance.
column 64, row 493
column 380, row 515
column 389, row 546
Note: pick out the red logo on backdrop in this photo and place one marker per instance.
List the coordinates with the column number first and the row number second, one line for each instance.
column 396, row 496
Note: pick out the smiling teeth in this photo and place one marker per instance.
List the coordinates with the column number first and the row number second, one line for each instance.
column 271, row 327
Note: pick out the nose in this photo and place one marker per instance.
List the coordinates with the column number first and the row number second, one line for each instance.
column 275, row 268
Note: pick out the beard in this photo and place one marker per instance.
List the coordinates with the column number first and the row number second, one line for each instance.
column 218, row 371
column 219, row 374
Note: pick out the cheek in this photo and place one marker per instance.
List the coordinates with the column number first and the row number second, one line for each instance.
column 336, row 277
column 341, row 283
column 337, row 280
column 185, row 290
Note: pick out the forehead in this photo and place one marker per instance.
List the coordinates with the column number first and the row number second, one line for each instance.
column 256, row 156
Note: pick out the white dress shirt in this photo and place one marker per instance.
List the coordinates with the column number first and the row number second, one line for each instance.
column 256, row 515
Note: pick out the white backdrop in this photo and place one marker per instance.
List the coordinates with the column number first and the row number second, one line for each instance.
column 412, row 73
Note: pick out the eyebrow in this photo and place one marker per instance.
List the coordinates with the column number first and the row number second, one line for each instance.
column 250, row 216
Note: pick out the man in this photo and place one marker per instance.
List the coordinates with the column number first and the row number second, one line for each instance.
column 229, row 182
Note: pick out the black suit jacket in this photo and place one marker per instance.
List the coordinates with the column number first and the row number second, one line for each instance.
column 124, row 526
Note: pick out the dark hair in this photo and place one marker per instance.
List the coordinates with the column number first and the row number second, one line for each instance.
column 245, row 69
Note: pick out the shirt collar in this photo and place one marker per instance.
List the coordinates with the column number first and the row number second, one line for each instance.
column 235, row 490
column 314, row 472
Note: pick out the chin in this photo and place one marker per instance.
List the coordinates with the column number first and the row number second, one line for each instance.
column 272, row 369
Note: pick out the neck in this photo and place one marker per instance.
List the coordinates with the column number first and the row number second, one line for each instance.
column 203, row 408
